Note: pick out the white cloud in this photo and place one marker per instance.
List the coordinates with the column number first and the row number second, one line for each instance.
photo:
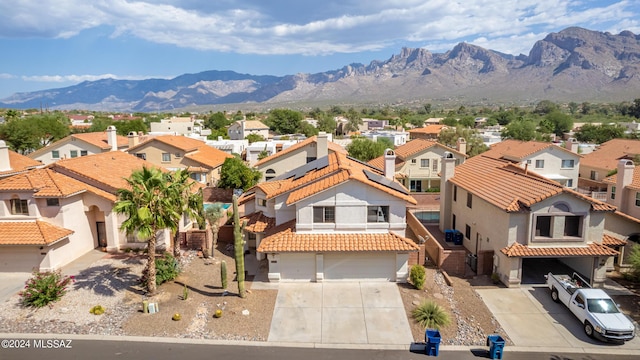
column 6, row 76
column 81, row 78
column 314, row 28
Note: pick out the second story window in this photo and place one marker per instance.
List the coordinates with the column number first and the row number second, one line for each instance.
column 73, row 153
column 539, row 164
column 424, row 163
column 84, row 153
column 262, row 202
column 142, row 156
column 166, row 157
column 269, row 174
column 434, row 165
column 19, row 207
column 469, row 200
column 55, row 154
column 593, row 175
column 455, row 193
column 568, row 164
column 53, row 202
column 324, row 214
column 638, row 198
column 377, row 214
column 613, row 192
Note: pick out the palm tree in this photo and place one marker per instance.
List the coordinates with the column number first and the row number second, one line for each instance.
column 149, row 208
column 185, row 200
column 213, row 214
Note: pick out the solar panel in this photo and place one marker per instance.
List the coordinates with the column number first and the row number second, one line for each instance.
column 304, row 169
column 385, row 182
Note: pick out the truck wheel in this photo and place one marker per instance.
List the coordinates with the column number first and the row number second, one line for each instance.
column 554, row 295
column 588, row 329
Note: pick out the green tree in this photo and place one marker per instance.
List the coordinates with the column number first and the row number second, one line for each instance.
column 450, row 136
column 307, row 129
column 544, row 107
column 573, row 107
column 147, row 204
column 327, row 124
column 212, row 214
column 354, row 121
column 124, row 127
column 503, row 117
column 364, row 149
column 217, row 121
column 284, row 121
column 524, row 130
column 427, row 108
column 235, row 174
column 450, row 121
column 254, row 138
column 27, row 134
column 100, row 124
column 467, row 121
column 561, row 122
column 599, row 133
column 186, row 200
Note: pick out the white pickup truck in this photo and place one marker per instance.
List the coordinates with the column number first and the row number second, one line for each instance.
column 598, row 313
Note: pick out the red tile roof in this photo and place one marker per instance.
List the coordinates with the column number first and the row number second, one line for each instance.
column 516, row 150
column 413, row 147
column 284, row 238
column 19, row 163
column 606, row 156
column 258, row 222
column 333, row 147
column 194, row 149
column 593, row 249
column 510, row 187
column 429, row 129
column 635, row 181
column 48, row 183
column 611, row 240
column 31, row 233
column 339, row 169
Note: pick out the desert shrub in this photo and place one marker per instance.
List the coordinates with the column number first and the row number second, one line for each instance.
column 44, row 288
column 431, row 315
column 634, row 261
column 417, row 276
column 167, row 268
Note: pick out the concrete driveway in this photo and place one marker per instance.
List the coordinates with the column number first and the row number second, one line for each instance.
column 532, row 319
column 11, row 283
column 340, row 313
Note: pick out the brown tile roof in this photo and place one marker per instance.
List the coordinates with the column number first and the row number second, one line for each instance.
column 516, row 150
column 254, row 125
column 510, row 187
column 43, row 183
column 635, row 181
column 19, row 163
column 31, row 233
column 194, row 149
column 246, row 197
column 339, row 169
column 258, row 222
column 413, row 147
column 593, row 249
column 333, row 147
column 99, row 139
column 606, row 156
column 610, row 240
column 284, row 238
column 109, row 168
column 429, row 129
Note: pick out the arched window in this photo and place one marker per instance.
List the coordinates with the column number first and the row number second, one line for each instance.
column 269, row 174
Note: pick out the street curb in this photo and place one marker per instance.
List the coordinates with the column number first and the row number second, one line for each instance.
column 400, row 347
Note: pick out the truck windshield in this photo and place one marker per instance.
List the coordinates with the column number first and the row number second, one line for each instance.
column 602, row 306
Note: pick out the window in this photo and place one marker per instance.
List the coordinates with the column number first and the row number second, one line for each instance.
column 53, row 202
column 529, row 162
column 568, row 164
column 613, row 192
column 543, row 226
column 324, row 214
column 453, row 221
column 178, row 155
column 84, row 153
column 73, row 153
column 269, row 174
column 638, row 198
column 469, row 200
column 570, row 183
column 166, row 157
column 377, row 214
column 310, row 159
column 262, row 202
column 413, row 161
column 539, row 164
column 434, row 165
column 415, row 185
column 455, row 193
column 594, row 175
column 142, row 156
column 572, row 226
column 55, row 154
column 424, row 163
column 19, row 207
column 197, row 177
column 467, row 231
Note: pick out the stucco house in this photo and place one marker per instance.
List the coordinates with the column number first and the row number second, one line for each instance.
column 429, row 132
column 12, row 163
column 177, row 126
column 417, row 164
column 598, row 164
column 174, row 152
column 297, row 155
column 81, row 144
column 332, row 219
column 521, row 220
column 240, row 129
column 561, row 164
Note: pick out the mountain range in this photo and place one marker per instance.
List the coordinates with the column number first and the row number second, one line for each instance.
column 574, row 64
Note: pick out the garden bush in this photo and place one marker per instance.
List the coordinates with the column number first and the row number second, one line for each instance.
column 44, row 288
column 431, row 315
column 167, row 268
column 634, row 261
column 417, row 276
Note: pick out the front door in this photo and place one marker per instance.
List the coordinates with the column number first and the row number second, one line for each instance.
column 102, row 234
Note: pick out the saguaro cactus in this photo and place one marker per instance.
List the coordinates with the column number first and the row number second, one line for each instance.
column 223, row 274
column 238, row 247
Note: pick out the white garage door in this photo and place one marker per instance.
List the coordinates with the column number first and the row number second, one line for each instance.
column 360, row 266
column 297, row 267
column 19, row 258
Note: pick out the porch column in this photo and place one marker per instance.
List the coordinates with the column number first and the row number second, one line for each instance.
column 112, row 230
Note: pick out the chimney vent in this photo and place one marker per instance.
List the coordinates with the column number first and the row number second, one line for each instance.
column 5, row 163
column 112, row 137
column 389, row 164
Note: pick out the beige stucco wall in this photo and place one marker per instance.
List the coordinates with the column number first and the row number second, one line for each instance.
column 553, row 157
column 65, row 149
column 428, row 175
column 288, row 162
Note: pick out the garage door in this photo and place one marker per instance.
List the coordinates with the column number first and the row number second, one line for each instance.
column 297, row 267
column 360, row 266
column 19, row 258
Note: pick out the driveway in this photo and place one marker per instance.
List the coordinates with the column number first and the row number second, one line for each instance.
column 532, row 319
column 11, row 283
column 340, row 313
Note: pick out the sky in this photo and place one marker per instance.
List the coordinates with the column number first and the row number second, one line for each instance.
column 48, row 44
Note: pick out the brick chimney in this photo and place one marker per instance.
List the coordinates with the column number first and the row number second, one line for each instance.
column 623, row 179
column 447, row 170
column 389, row 164
column 322, row 145
column 572, row 145
column 5, row 164
column 133, row 138
column 461, row 145
column 112, row 138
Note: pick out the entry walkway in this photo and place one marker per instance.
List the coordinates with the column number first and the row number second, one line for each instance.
column 340, row 313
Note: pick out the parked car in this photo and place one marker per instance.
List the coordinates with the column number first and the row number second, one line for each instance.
column 598, row 313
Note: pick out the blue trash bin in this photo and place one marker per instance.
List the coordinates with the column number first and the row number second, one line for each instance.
column 432, row 337
column 496, row 346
